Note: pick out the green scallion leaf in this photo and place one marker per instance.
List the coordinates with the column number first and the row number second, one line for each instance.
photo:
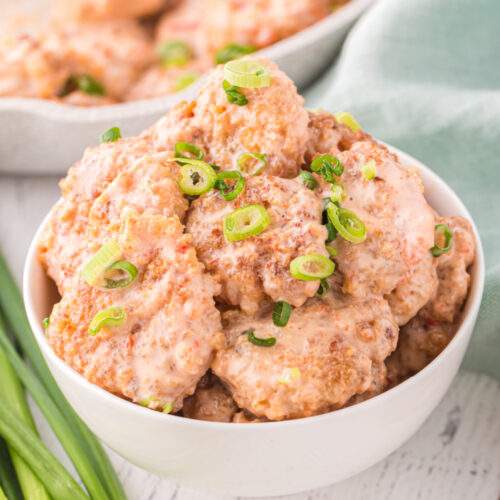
column 266, row 342
column 281, row 313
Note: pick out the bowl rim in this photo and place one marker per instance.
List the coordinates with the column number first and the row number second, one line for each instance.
column 144, row 107
column 473, row 304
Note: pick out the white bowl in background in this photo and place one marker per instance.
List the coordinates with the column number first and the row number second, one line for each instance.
column 44, row 137
column 263, row 459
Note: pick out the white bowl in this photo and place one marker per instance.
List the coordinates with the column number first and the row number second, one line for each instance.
column 36, row 130
column 268, row 458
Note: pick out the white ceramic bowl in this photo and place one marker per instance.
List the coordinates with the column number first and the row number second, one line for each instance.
column 38, row 136
column 270, row 458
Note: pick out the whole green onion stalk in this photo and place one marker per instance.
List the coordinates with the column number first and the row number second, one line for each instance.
column 8, row 479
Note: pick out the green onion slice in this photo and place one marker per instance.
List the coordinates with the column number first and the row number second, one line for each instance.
column 444, row 231
column 112, row 316
column 174, row 53
column 111, row 135
column 369, row 170
column 246, row 222
column 187, row 151
column 167, row 408
column 347, row 223
column 233, row 51
column 348, row 120
column 230, row 191
column 332, row 251
column 46, row 322
column 197, row 177
column 323, row 288
column 327, row 166
column 120, row 274
column 267, row 342
column 332, row 232
column 96, row 266
column 252, row 163
column 89, row 85
column 234, row 94
column 247, row 74
column 281, row 313
column 308, row 180
column 311, row 267
column 337, row 193
column 184, row 81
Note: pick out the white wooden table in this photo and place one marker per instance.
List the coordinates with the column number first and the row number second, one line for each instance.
column 456, row 454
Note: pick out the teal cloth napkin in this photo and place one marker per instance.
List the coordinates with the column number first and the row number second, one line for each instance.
column 424, row 76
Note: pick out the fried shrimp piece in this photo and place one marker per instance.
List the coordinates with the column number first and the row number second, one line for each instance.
column 415, row 291
column 85, row 10
column 93, row 203
column 427, row 334
column 323, row 357
column 273, row 122
column 241, row 21
column 29, row 69
column 398, row 219
column 158, row 353
column 211, row 401
column 255, row 269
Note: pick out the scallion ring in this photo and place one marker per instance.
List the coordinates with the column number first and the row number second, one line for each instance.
column 111, row 135
column 96, row 266
column 308, row 180
column 347, row 223
column 230, row 191
column 112, row 316
column 332, row 251
column 233, row 51
column 281, row 313
column 187, row 151
column 323, row 288
column 234, row 94
column 328, row 166
column 246, row 222
column 311, row 267
column 337, row 193
column 126, row 271
column 252, row 163
column 369, row 170
column 247, row 73
column 46, row 322
column 197, row 177
column 348, row 120
column 332, row 232
column 267, row 342
column 444, row 231
column 174, row 53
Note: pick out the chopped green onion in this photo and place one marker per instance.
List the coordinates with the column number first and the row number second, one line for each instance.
column 308, row 180
column 187, row 151
column 327, row 166
column 83, row 448
column 111, row 135
column 186, row 80
column 289, row 375
column 281, row 313
column 331, row 250
column 347, row 223
column 247, row 74
column 197, row 177
column 96, row 266
column 234, row 94
column 167, row 408
column 46, row 323
column 311, row 267
column 369, row 170
column 123, row 268
column 2, row 494
column 332, row 232
column 173, row 53
column 337, row 193
column 444, row 231
column 348, row 120
column 267, row 342
column 230, row 192
column 246, row 222
column 252, row 163
column 233, row 51
column 89, row 85
column 323, row 288
column 109, row 317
